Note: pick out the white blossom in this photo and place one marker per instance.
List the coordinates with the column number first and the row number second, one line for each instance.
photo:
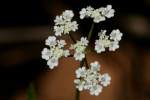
column 50, row 41
column 66, row 53
column 58, row 30
column 68, row 15
column 79, row 56
column 59, row 20
column 99, row 47
column 81, row 72
column 46, row 53
column 113, row 46
column 53, row 62
column 97, row 17
column 64, row 23
column 89, row 10
column 99, row 14
column 80, row 84
column 108, row 11
column 105, row 41
column 84, row 41
column 61, row 43
column 83, row 13
column 105, row 80
column 96, row 90
column 95, row 66
column 90, row 79
column 116, row 35
column 80, row 48
column 55, row 51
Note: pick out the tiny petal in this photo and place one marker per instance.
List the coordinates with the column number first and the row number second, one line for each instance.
column 95, row 66
column 79, row 56
column 51, row 41
column 53, row 62
column 105, row 80
column 46, row 53
column 116, row 35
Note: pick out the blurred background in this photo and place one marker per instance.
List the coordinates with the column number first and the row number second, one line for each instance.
column 25, row 24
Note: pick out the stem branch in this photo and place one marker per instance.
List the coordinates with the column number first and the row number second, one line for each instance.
column 90, row 32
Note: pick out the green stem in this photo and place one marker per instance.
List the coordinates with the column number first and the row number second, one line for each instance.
column 31, row 92
column 90, row 32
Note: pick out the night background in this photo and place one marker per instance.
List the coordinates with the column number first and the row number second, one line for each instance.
column 25, row 24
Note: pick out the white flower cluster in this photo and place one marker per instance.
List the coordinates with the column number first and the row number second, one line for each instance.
column 105, row 41
column 91, row 79
column 99, row 14
column 79, row 48
column 63, row 23
column 55, row 52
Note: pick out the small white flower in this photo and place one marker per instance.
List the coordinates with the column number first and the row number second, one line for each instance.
column 63, row 23
column 84, row 41
column 66, row 53
column 80, row 84
column 59, row 20
column 53, row 62
column 105, row 80
column 99, row 14
column 97, row 17
column 79, row 56
column 116, row 35
column 99, row 47
column 108, row 11
column 61, row 43
column 80, row 48
column 96, row 90
column 105, row 41
column 46, row 53
column 81, row 72
column 58, row 30
column 83, row 13
column 74, row 26
column 102, row 34
column 51, row 41
column 95, row 66
column 68, row 14
column 90, row 79
column 55, row 51
column 70, row 26
column 89, row 10
column 113, row 46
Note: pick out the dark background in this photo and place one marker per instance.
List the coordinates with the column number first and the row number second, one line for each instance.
column 24, row 25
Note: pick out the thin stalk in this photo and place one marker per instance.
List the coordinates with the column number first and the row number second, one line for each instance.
column 77, row 94
column 86, row 63
column 90, row 32
column 31, row 92
column 71, row 37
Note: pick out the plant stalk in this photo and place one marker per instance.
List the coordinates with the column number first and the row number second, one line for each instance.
column 31, row 92
column 90, row 32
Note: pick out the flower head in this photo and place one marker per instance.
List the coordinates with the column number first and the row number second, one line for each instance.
column 55, row 51
column 79, row 48
column 105, row 41
column 91, row 79
column 116, row 35
column 99, row 14
column 105, row 80
column 107, row 11
column 63, row 23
